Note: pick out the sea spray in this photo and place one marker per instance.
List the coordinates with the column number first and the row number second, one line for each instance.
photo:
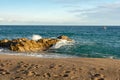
column 62, row 43
column 36, row 37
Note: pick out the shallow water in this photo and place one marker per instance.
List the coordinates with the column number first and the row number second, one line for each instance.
column 90, row 41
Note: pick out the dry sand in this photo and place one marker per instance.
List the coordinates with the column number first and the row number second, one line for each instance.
column 32, row 68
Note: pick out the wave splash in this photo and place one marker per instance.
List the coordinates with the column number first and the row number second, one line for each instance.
column 59, row 44
column 36, row 37
column 62, row 43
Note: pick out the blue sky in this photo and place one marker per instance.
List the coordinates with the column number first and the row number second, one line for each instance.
column 60, row 12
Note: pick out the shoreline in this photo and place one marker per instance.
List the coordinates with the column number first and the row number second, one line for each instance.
column 33, row 68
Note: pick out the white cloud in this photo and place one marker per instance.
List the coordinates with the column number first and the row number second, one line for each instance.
column 1, row 19
column 103, row 14
column 51, row 18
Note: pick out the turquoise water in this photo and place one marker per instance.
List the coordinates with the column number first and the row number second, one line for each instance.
column 90, row 41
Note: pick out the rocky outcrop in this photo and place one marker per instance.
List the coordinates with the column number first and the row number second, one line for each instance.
column 27, row 45
column 64, row 38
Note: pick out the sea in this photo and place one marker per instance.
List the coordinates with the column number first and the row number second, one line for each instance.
column 89, row 41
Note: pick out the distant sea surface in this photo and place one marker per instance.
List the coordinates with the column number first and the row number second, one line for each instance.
column 90, row 41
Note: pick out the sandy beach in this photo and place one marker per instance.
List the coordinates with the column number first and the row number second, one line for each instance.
column 33, row 68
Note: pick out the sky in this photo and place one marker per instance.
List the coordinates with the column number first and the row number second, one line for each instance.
column 59, row 12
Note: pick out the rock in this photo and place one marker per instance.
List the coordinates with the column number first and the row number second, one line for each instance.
column 20, row 40
column 64, row 38
column 5, row 43
column 26, row 45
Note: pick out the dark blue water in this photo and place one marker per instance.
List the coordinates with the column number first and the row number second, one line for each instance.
column 90, row 41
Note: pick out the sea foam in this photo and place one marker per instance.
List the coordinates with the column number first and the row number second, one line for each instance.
column 36, row 37
column 40, row 55
column 62, row 43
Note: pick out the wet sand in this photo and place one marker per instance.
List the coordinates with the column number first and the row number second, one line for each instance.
column 33, row 68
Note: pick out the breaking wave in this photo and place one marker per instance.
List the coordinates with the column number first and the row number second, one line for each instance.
column 62, row 43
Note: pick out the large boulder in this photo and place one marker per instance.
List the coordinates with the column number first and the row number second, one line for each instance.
column 27, row 45
column 47, row 42
column 5, row 43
